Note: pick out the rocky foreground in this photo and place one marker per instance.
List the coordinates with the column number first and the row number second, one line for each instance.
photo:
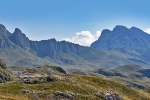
column 55, row 83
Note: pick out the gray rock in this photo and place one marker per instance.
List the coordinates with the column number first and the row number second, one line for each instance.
column 69, row 95
column 62, row 70
column 108, row 96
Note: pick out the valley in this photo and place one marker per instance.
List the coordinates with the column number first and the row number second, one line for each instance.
column 56, row 83
column 114, row 66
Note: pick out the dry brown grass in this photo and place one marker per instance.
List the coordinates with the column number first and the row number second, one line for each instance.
column 13, row 97
column 86, row 86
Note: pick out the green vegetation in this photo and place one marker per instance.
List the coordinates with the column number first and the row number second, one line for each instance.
column 84, row 88
column 52, row 83
column 128, row 68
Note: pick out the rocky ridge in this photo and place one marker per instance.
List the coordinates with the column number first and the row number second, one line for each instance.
column 122, row 37
column 17, row 50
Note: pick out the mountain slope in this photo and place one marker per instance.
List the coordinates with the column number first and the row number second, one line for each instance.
column 70, row 87
column 133, row 43
column 17, row 50
column 122, row 37
column 128, row 68
column 20, row 39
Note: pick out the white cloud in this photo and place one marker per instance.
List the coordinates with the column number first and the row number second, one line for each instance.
column 97, row 35
column 147, row 30
column 84, row 38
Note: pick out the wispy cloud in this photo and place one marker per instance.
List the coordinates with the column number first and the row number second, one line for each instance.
column 84, row 38
column 147, row 30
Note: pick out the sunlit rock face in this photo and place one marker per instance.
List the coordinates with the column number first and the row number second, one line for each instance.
column 122, row 37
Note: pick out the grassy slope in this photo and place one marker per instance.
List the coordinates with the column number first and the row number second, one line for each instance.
column 128, row 68
column 20, row 57
column 132, row 76
column 85, row 86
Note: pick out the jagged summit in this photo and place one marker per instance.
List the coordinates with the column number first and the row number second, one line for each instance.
column 122, row 37
column 20, row 39
column 137, row 30
column 18, row 31
column 105, row 32
column 134, row 28
column 3, row 31
column 2, row 26
column 63, row 53
column 120, row 28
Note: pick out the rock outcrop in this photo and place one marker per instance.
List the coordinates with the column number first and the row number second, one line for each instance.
column 145, row 72
column 5, row 75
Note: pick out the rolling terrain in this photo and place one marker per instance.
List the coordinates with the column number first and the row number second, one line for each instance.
column 55, row 83
column 133, row 76
column 132, row 42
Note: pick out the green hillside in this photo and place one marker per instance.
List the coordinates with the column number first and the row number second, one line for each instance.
column 128, row 68
column 81, row 88
column 53, row 83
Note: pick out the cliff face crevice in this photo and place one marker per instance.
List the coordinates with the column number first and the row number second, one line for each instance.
column 52, row 47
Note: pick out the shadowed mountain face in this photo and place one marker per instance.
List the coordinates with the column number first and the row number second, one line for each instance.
column 20, row 39
column 52, row 47
column 16, row 49
column 4, row 41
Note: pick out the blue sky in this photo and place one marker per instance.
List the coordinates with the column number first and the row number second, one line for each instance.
column 68, row 19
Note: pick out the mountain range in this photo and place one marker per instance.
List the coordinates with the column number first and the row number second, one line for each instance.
column 113, row 48
column 131, row 42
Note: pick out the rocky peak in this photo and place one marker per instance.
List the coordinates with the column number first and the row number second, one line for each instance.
column 20, row 39
column 137, row 30
column 18, row 34
column 120, row 28
column 3, row 30
column 17, row 31
column 105, row 32
column 2, row 27
column 122, row 37
column 53, row 40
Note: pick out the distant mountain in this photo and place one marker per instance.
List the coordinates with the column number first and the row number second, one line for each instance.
column 132, row 42
column 17, row 50
column 20, row 39
column 122, row 37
